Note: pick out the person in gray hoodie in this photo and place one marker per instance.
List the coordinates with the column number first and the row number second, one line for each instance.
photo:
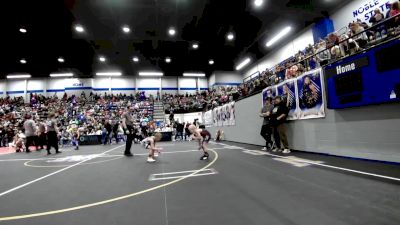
column 30, row 132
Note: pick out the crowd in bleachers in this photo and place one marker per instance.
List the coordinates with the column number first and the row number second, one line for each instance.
column 357, row 37
column 75, row 115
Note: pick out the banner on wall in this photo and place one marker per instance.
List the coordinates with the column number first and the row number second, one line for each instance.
column 310, row 94
column 220, row 115
column 288, row 91
column 226, row 119
column 268, row 92
column 208, row 118
column 232, row 118
column 215, row 117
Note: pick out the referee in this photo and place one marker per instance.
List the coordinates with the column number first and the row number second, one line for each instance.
column 127, row 124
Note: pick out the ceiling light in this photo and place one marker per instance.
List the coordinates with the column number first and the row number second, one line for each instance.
column 18, row 76
column 79, row 28
column 22, row 61
column 126, row 29
column 135, row 59
column 243, row 64
column 258, row 3
column 172, row 31
column 194, row 74
column 22, row 30
column 278, row 36
column 211, row 62
column 159, row 74
column 109, row 74
column 61, row 75
column 102, row 59
column 168, row 60
column 230, row 36
column 195, row 46
column 60, row 59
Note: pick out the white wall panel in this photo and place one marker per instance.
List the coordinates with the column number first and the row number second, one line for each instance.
column 169, row 85
column 187, row 85
column 2, row 88
column 149, row 85
column 16, row 88
column 37, row 86
column 203, row 83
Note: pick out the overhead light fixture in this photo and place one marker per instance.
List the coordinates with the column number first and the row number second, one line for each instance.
column 243, row 64
column 168, row 60
column 230, row 36
column 279, row 36
column 22, row 61
column 110, row 74
column 18, row 76
column 157, row 74
column 135, row 59
column 79, row 28
column 195, row 46
column 194, row 74
column 61, row 75
column 211, row 62
column 22, row 30
column 258, row 3
column 60, row 59
column 172, row 31
column 126, row 29
column 102, row 59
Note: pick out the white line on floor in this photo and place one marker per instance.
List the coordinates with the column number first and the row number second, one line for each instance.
column 325, row 165
column 170, row 152
column 53, row 173
column 183, row 174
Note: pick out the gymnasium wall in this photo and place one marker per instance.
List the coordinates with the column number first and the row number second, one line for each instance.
column 100, row 85
column 225, row 78
column 370, row 132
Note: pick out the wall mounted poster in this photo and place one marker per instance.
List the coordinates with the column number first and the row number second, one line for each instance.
column 232, row 119
column 208, row 118
column 268, row 92
column 289, row 95
column 310, row 95
column 215, row 117
column 220, row 116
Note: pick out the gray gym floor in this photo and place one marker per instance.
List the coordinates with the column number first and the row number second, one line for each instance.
column 238, row 185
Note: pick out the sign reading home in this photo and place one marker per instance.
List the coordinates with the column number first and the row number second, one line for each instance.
column 346, row 67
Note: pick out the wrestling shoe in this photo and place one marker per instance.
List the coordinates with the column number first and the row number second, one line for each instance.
column 150, row 160
column 286, row 151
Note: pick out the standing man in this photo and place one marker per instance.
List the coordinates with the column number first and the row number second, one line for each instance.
column 42, row 134
column 30, row 132
column 278, row 119
column 266, row 129
column 52, row 131
column 127, row 124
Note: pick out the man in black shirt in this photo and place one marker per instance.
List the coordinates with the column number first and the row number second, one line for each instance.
column 108, row 128
column 127, row 124
column 278, row 118
column 266, row 129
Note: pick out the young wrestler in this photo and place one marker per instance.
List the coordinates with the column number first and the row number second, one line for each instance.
column 150, row 142
column 203, row 137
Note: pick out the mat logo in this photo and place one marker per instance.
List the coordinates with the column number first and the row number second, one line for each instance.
column 75, row 158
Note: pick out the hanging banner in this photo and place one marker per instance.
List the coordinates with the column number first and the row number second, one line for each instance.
column 215, row 117
column 232, row 119
column 310, row 94
column 220, row 116
column 208, row 118
column 226, row 115
column 268, row 92
column 289, row 95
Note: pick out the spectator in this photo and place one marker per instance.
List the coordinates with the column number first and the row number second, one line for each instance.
column 266, row 129
column 30, row 133
column 278, row 118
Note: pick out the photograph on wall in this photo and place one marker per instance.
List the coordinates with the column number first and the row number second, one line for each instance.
column 310, row 95
column 227, row 115
column 287, row 91
column 220, row 116
column 208, row 118
column 215, row 117
column 232, row 120
column 268, row 92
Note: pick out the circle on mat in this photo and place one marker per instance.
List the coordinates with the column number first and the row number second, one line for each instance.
column 107, row 201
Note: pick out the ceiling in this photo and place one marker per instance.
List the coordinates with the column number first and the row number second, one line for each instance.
column 51, row 34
